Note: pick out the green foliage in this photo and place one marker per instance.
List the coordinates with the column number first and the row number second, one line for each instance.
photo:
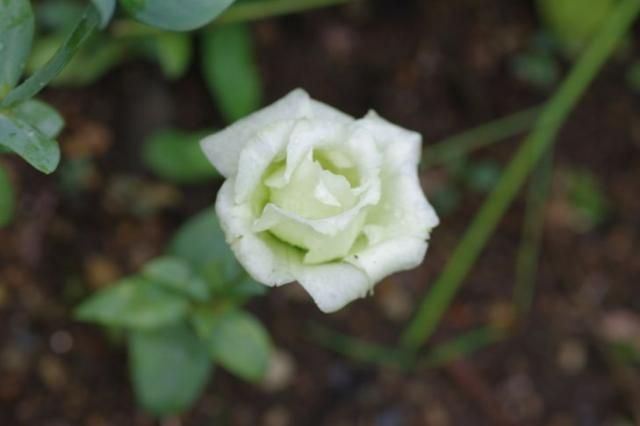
column 175, row 15
column 537, row 68
column 6, row 198
column 169, row 368
column 236, row 340
column 34, row 84
column 633, row 77
column 587, row 197
column 171, row 50
column 201, row 242
column 100, row 55
column 28, row 142
column 175, row 274
column 574, row 22
column 16, row 33
column 177, row 157
column 135, row 303
column 170, row 357
column 105, row 10
column 41, row 116
column 230, row 71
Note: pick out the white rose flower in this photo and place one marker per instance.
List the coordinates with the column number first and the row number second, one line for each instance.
column 315, row 196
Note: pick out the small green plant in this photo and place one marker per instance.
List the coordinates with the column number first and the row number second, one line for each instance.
column 181, row 314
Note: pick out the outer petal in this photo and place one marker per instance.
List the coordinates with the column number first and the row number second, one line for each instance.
column 223, row 148
column 333, row 285
column 391, row 256
column 266, row 260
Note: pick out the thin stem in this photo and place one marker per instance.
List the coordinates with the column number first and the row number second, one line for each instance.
column 358, row 349
column 552, row 117
column 460, row 346
column 479, row 137
column 529, row 251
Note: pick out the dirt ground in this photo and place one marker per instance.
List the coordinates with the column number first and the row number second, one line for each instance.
column 437, row 66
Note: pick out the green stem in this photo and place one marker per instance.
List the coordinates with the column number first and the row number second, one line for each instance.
column 552, row 117
column 529, row 251
column 359, row 350
column 479, row 137
column 459, row 347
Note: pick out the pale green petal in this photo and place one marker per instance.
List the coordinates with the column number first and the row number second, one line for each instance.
column 386, row 258
column 224, row 147
column 333, row 285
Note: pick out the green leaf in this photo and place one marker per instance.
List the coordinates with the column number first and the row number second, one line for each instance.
column 99, row 55
column 175, row 15
column 177, row 157
column 31, row 86
column 16, row 34
column 41, row 116
column 173, row 51
column 175, row 274
column 105, row 9
column 133, row 302
column 169, row 368
column 236, row 340
column 6, row 198
column 29, row 143
column 230, row 71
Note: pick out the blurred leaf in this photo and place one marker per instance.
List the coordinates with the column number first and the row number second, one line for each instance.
column 176, row 156
column 537, row 68
column 445, row 199
column 6, row 198
column 169, row 367
column 57, row 15
column 16, row 34
column 633, row 77
column 587, row 196
column 39, row 80
column 100, row 55
column 574, row 22
column 34, row 147
column 105, row 9
column 236, row 340
column 133, row 302
column 176, row 274
column 201, row 242
column 41, row 116
column 482, row 176
column 175, row 15
column 230, row 71
column 173, row 52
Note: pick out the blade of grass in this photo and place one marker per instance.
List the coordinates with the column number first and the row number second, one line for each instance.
column 552, row 117
column 358, row 349
column 87, row 24
column 479, row 137
column 460, row 346
column 529, row 250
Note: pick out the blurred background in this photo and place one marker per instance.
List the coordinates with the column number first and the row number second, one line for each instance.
column 437, row 66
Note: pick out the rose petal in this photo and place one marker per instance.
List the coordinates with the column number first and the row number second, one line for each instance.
column 386, row 258
column 223, row 148
column 333, row 285
column 265, row 259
